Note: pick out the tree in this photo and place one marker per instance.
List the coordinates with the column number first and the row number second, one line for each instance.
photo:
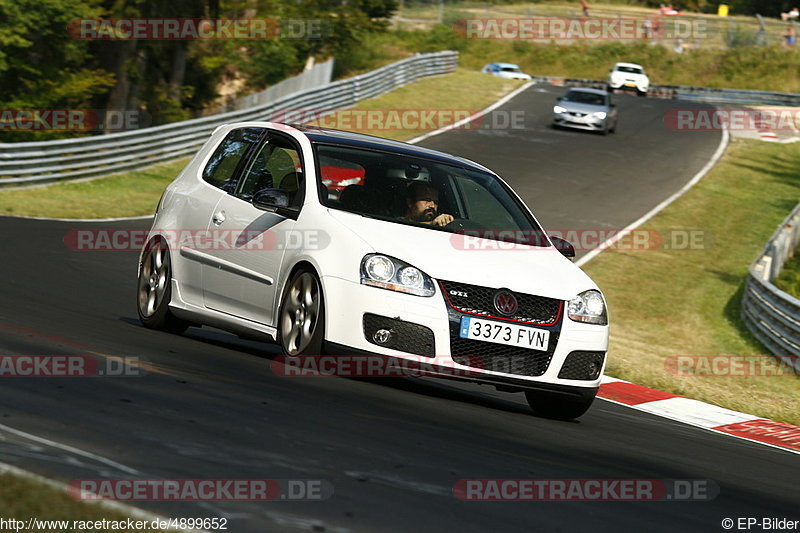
column 41, row 65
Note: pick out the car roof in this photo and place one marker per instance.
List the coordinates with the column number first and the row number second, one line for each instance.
column 318, row 135
column 628, row 65
column 601, row 92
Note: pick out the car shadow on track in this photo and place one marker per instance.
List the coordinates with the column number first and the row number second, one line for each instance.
column 442, row 388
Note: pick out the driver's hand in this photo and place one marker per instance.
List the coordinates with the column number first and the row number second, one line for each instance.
column 442, row 220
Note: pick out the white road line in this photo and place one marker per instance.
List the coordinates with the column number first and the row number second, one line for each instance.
column 723, row 144
column 479, row 114
column 119, row 507
column 70, row 449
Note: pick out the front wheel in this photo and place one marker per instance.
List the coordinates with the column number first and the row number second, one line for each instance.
column 154, row 289
column 301, row 321
column 557, row 406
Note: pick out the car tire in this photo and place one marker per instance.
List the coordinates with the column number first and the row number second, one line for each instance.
column 557, row 406
column 614, row 129
column 641, row 93
column 301, row 319
column 154, row 289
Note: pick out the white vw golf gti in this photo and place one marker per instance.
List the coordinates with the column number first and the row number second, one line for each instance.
column 329, row 242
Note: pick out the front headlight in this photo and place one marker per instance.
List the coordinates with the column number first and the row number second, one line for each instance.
column 600, row 114
column 389, row 273
column 588, row 307
column 559, row 109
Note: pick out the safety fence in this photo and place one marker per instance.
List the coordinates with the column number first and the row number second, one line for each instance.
column 771, row 314
column 37, row 163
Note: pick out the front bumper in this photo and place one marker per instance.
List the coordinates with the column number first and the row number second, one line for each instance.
column 583, row 123
column 348, row 302
column 629, row 85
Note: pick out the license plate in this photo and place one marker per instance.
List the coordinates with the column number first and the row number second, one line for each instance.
column 630, row 85
column 503, row 333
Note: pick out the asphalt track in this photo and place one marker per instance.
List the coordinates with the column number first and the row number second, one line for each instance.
column 209, row 406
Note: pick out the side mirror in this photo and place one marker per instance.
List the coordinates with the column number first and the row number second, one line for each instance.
column 559, row 98
column 566, row 249
column 275, row 200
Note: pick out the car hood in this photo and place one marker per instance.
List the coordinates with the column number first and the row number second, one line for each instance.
column 443, row 256
column 582, row 108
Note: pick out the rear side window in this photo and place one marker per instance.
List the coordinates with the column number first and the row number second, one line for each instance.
column 221, row 168
column 276, row 165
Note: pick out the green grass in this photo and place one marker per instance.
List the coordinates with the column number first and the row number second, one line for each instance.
column 717, row 32
column 22, row 499
column 757, row 68
column 137, row 193
column 123, row 195
column 463, row 92
column 789, row 278
column 666, row 303
column 710, row 63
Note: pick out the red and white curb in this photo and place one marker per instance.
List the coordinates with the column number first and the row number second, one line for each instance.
column 702, row 415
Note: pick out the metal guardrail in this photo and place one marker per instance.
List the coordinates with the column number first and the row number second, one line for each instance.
column 772, row 315
column 690, row 94
column 36, row 163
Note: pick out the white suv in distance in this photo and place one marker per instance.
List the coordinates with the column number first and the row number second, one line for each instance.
column 426, row 256
column 628, row 76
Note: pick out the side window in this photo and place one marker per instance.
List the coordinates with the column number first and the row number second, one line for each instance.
column 277, row 165
column 483, row 206
column 221, row 168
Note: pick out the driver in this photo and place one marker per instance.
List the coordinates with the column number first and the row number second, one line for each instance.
column 422, row 205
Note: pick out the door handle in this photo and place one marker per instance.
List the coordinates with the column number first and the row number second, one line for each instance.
column 218, row 218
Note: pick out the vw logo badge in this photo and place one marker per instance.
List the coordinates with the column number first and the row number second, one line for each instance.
column 505, row 303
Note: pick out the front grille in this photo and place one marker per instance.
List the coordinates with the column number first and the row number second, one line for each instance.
column 480, row 301
column 406, row 336
column 499, row 357
column 582, row 365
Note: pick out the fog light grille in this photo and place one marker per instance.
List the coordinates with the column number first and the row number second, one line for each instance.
column 582, row 365
column 403, row 336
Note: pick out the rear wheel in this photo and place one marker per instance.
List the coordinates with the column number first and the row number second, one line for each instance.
column 301, row 321
column 557, row 406
column 154, row 289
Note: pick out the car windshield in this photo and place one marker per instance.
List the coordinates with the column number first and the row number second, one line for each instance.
column 580, row 97
column 406, row 190
column 631, row 70
column 511, row 69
